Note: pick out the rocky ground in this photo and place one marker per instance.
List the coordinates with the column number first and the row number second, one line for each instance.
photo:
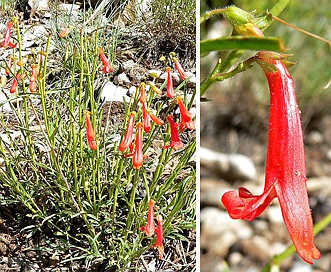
column 242, row 245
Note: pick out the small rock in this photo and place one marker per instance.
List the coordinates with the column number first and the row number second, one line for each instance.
column 53, row 260
column 314, row 137
column 228, row 166
column 38, row 5
column 211, row 191
column 132, row 90
column 258, row 247
column 128, row 65
column 110, row 92
column 219, row 231
column 274, row 214
column 301, row 266
column 122, row 80
column 235, row 259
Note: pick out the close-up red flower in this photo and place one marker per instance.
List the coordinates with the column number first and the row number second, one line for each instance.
column 107, row 68
column 6, row 42
column 285, row 165
column 90, row 132
column 186, row 117
column 149, row 229
column 138, row 157
column 170, row 85
column 159, row 236
column 180, row 69
column 176, row 142
column 127, row 140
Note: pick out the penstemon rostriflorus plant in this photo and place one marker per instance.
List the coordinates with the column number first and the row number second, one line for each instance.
column 71, row 166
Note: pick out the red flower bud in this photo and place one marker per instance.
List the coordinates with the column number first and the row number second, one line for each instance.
column 154, row 118
column 170, row 85
column 142, row 89
column 14, row 85
column 107, row 68
column 127, row 140
column 66, row 32
column 33, row 79
column 90, row 132
column 149, row 229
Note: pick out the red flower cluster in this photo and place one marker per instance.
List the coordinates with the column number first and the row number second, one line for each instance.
column 150, row 228
column 148, row 116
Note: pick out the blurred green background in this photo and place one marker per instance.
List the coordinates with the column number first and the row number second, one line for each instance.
column 313, row 57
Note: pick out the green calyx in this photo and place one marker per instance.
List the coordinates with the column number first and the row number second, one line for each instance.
column 242, row 22
column 237, row 16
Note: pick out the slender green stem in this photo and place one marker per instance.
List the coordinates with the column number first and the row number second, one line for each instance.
column 132, row 204
column 279, row 7
column 216, row 76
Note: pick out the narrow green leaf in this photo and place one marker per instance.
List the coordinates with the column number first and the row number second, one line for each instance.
column 242, row 43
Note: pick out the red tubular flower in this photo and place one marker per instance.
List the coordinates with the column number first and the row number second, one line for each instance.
column 149, row 229
column 154, row 118
column 6, row 42
column 285, row 165
column 14, row 85
column 147, row 119
column 90, row 132
column 159, row 236
column 186, row 117
column 170, row 85
column 176, row 142
column 107, row 68
column 138, row 157
column 180, row 69
column 127, row 140
column 33, row 79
